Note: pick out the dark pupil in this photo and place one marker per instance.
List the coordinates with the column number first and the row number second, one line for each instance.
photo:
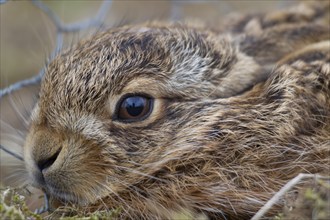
column 134, row 105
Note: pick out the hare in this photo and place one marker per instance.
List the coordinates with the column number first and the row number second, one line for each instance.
column 160, row 118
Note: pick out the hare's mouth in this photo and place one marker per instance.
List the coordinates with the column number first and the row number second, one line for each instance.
column 66, row 197
column 75, row 195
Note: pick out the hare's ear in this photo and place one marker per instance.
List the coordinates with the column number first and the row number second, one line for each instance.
column 243, row 74
column 235, row 71
column 223, row 71
column 272, row 44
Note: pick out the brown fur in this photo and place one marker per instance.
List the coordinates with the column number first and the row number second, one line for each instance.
column 237, row 114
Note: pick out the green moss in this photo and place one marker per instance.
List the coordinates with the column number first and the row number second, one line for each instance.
column 313, row 202
column 13, row 207
column 319, row 200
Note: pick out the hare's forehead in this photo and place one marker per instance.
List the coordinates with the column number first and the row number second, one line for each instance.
column 96, row 75
column 109, row 64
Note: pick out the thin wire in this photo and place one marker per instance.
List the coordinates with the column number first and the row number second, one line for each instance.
column 27, row 82
column 74, row 27
column 94, row 21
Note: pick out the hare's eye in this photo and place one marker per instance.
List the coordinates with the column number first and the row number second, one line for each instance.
column 134, row 108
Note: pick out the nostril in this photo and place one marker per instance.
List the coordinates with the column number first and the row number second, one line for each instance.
column 45, row 163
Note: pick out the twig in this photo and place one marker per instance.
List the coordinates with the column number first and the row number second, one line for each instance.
column 282, row 191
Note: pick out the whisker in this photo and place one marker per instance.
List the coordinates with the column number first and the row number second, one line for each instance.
column 114, row 193
column 19, row 176
column 140, row 173
column 11, row 153
column 5, row 125
column 13, row 138
column 15, row 107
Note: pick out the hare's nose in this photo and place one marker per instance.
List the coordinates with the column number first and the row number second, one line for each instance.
column 47, row 162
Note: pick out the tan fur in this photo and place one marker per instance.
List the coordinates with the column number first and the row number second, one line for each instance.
column 237, row 114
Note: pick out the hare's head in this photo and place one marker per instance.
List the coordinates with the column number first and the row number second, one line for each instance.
column 157, row 117
column 114, row 108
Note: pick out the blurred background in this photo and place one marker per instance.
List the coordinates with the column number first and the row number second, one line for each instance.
column 28, row 37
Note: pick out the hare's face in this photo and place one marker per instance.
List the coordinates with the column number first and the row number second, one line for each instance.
column 113, row 109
